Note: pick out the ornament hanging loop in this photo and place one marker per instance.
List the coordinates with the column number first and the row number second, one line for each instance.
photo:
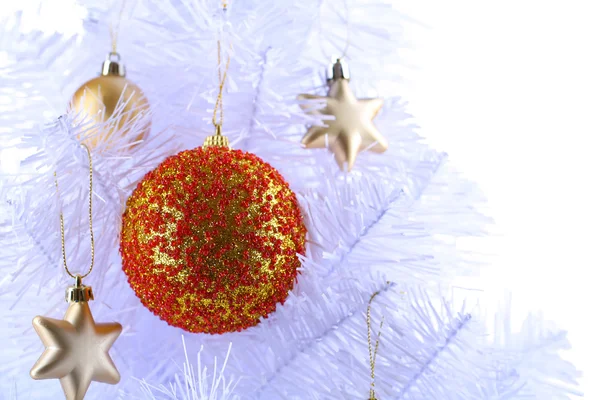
column 114, row 30
column 222, row 79
column 218, row 139
column 372, row 352
column 78, row 277
column 346, row 17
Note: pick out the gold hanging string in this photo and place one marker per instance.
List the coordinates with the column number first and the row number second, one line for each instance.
column 222, row 78
column 62, row 222
column 372, row 352
column 219, row 140
column 114, row 30
column 347, row 44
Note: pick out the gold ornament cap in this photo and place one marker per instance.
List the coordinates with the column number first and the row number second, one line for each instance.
column 79, row 292
column 338, row 70
column 216, row 140
column 112, row 66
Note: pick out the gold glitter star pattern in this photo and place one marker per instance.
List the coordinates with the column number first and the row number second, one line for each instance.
column 76, row 350
column 352, row 130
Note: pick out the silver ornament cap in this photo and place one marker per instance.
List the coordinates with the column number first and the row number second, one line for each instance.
column 338, row 70
column 112, row 65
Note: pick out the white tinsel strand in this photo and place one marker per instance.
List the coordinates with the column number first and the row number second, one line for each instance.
column 35, row 67
column 196, row 383
column 528, row 363
column 349, row 221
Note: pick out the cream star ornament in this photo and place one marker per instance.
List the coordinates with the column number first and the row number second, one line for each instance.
column 352, row 130
column 76, row 346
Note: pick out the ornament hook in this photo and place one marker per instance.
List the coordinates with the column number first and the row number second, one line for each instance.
column 78, row 281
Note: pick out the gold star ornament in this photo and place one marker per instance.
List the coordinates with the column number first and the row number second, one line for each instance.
column 352, row 130
column 76, row 346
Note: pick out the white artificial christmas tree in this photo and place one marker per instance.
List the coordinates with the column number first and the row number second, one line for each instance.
column 390, row 226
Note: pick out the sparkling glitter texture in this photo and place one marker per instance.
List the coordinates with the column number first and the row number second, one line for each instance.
column 210, row 240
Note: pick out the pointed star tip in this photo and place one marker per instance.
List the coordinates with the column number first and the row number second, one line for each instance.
column 39, row 323
column 343, row 165
column 34, row 373
column 118, row 329
column 43, row 370
column 112, row 379
column 312, row 140
column 304, row 96
column 381, row 148
column 346, row 167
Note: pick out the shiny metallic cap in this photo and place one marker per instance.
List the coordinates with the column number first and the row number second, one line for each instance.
column 217, row 140
column 338, row 70
column 113, row 66
column 79, row 292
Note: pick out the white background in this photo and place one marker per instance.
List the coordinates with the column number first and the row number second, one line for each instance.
column 511, row 90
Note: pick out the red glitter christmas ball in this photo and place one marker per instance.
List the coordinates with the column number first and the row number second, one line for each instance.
column 210, row 240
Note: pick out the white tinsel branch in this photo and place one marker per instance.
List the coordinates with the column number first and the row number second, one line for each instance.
column 195, row 383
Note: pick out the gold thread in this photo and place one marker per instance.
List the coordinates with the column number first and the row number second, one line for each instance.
column 114, row 30
column 62, row 221
column 347, row 44
column 372, row 353
column 222, row 79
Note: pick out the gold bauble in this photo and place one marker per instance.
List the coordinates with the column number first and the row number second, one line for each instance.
column 114, row 100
